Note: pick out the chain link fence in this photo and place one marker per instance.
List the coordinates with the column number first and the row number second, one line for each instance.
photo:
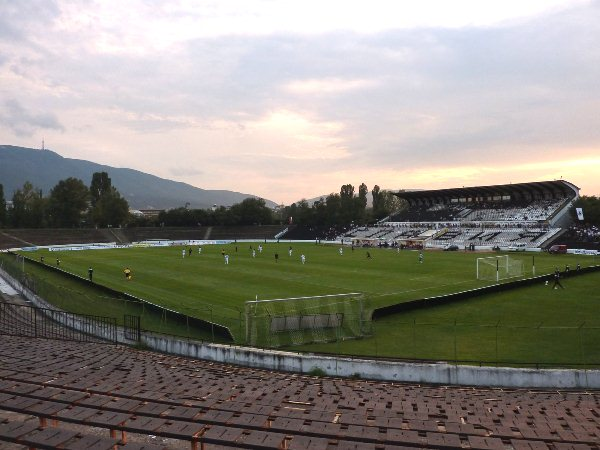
column 73, row 297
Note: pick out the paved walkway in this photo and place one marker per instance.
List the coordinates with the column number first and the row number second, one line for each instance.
column 6, row 288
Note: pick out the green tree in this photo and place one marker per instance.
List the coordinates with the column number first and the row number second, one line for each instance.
column 183, row 217
column 378, row 203
column 333, row 207
column 101, row 184
column 304, row 213
column 221, row 216
column 111, row 210
column 28, row 207
column 108, row 207
column 251, row 211
column 346, row 211
column 68, row 202
column 360, row 204
column 363, row 190
column 2, row 206
column 319, row 212
column 385, row 203
column 392, row 203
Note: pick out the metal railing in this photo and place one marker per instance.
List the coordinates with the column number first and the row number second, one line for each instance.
column 30, row 321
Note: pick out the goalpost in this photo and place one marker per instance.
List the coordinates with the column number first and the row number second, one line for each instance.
column 498, row 268
column 302, row 320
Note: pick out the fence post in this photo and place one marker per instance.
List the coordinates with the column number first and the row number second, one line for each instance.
column 240, row 327
column 581, row 344
column 497, row 324
column 539, row 342
column 376, row 340
column 337, row 356
column 414, row 338
column 212, row 324
column 455, row 355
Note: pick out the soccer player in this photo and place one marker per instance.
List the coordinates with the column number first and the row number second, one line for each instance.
column 557, row 283
column 259, row 248
column 199, row 250
column 420, row 257
column 341, row 251
column 90, row 273
column 302, row 258
column 226, row 258
column 253, row 253
column 57, row 262
column 127, row 273
column 290, row 251
column 277, row 257
column 183, row 253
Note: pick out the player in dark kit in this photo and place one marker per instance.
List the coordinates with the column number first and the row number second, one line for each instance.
column 557, row 283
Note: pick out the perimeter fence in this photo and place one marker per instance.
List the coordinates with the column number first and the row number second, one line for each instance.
column 77, row 298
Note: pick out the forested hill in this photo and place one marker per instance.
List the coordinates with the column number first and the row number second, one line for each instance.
column 44, row 168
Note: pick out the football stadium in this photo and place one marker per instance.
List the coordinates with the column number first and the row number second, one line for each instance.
column 467, row 319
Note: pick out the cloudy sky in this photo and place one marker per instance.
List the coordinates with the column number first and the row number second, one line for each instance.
column 289, row 99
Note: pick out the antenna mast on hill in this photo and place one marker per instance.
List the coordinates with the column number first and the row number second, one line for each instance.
column 42, row 145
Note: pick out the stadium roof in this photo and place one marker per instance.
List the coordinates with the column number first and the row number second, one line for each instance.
column 539, row 189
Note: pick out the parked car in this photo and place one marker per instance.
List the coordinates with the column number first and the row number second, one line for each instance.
column 519, row 247
column 451, row 248
column 558, row 248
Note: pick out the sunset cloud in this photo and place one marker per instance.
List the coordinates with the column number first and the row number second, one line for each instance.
column 290, row 99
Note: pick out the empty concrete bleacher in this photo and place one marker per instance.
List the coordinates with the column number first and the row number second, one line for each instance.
column 245, row 232
column 56, row 236
column 201, row 404
column 14, row 238
column 135, row 234
column 7, row 241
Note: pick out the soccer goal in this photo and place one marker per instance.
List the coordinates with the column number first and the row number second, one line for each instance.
column 302, row 320
column 498, row 268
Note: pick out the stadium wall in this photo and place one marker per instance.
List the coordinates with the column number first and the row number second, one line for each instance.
column 431, row 373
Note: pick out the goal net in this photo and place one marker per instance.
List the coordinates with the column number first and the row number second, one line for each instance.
column 302, row 320
column 498, row 268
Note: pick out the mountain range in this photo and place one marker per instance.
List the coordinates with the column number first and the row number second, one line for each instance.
column 45, row 168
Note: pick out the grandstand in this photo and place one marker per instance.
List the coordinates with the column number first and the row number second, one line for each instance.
column 501, row 216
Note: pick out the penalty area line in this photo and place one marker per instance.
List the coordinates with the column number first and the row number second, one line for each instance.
column 419, row 290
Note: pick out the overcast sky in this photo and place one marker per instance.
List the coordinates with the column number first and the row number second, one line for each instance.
column 289, row 99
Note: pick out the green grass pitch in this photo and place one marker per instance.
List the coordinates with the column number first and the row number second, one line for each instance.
column 202, row 285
